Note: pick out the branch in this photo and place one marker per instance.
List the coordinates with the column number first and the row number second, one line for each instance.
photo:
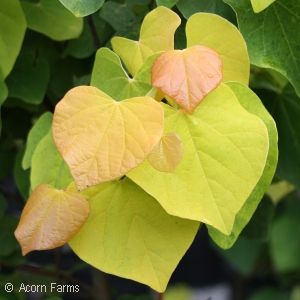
column 93, row 29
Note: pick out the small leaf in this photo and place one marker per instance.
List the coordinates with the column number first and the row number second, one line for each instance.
column 129, row 234
column 81, row 8
column 35, row 135
column 187, row 76
column 110, row 77
column 260, row 5
column 12, row 31
column 209, row 174
column 52, row 19
column 50, row 218
column 167, row 154
column 226, row 40
column 101, row 139
column 156, row 35
column 48, row 166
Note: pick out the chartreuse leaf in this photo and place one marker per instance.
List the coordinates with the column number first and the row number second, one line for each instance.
column 51, row 18
column 110, row 77
column 35, row 135
column 12, row 31
column 129, row 234
column 47, row 165
column 269, row 28
column 253, row 105
column 101, row 139
column 166, row 3
column 187, row 76
column 223, row 37
column 260, row 5
column 157, row 34
column 50, row 218
column 225, row 151
column 29, row 79
column 82, row 8
column 167, row 153
column 190, row 7
column 285, row 109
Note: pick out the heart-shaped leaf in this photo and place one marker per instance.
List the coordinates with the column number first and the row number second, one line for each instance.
column 225, row 152
column 101, row 139
column 129, row 234
column 110, row 77
column 187, row 76
column 156, row 35
column 50, row 218
column 167, row 154
column 217, row 33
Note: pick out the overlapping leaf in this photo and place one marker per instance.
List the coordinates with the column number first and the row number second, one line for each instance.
column 260, row 5
column 52, row 19
column 110, row 77
column 225, row 151
column 217, row 33
column 35, row 135
column 187, row 76
column 12, row 31
column 130, row 235
column 167, row 154
column 101, row 139
column 50, row 218
column 82, row 8
column 166, row 3
column 156, row 35
column 47, row 165
column 270, row 36
column 253, row 105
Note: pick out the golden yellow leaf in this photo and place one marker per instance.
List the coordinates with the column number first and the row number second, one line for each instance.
column 187, row 76
column 50, row 218
column 167, row 154
column 101, row 139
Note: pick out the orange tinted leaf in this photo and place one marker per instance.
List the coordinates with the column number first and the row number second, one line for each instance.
column 50, row 218
column 101, row 139
column 167, row 154
column 187, row 76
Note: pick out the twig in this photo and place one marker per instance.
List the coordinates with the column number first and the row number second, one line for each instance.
column 57, row 263
column 48, row 273
column 95, row 36
column 160, row 296
column 101, row 290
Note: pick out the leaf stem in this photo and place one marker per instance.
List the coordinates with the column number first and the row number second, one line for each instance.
column 93, row 29
column 160, row 296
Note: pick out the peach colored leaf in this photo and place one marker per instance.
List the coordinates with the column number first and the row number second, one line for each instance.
column 50, row 218
column 187, row 76
column 157, row 34
column 101, row 139
column 167, row 154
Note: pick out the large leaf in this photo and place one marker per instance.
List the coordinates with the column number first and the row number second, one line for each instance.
column 81, row 8
column 223, row 37
column 254, row 106
column 130, row 235
column 35, row 135
column 285, row 109
column 12, row 30
column 110, row 77
column 47, row 165
column 190, row 7
column 270, row 37
column 225, row 150
column 157, row 34
column 29, row 79
column 187, row 76
column 51, row 18
column 50, row 218
column 101, row 139
column 260, row 5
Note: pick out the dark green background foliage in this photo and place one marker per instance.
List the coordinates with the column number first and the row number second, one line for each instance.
column 58, row 56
